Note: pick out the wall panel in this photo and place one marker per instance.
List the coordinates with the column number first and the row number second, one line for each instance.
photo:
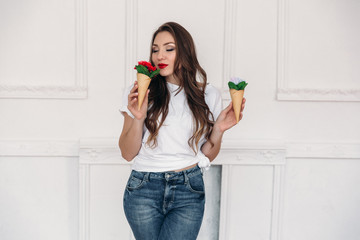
column 321, row 200
column 249, row 202
column 318, row 50
column 38, row 197
column 43, row 49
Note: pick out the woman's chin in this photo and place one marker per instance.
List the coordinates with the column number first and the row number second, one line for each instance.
column 164, row 74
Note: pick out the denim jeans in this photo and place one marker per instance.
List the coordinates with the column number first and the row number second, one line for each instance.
column 165, row 205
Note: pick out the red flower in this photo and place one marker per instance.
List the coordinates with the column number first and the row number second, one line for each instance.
column 147, row 65
column 144, row 63
column 152, row 68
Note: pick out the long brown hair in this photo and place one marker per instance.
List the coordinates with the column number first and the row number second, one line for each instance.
column 186, row 70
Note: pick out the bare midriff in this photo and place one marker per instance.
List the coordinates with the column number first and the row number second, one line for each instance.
column 179, row 170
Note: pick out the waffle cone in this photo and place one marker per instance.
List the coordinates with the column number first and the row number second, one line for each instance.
column 143, row 84
column 237, row 97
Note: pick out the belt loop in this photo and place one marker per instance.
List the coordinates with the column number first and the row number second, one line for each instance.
column 186, row 177
column 146, row 176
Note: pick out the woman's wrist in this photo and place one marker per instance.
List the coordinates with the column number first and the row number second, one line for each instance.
column 218, row 128
column 217, row 132
column 139, row 122
column 138, row 116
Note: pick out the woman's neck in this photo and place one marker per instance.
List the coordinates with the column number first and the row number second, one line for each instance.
column 173, row 80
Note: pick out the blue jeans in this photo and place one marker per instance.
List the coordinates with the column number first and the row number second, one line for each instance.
column 165, row 205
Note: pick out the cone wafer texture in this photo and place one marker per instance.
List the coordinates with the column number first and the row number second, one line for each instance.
column 236, row 98
column 143, row 84
column 236, row 88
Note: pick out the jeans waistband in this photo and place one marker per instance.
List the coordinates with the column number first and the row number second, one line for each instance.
column 171, row 175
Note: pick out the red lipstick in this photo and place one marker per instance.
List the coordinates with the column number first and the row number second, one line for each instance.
column 162, row 65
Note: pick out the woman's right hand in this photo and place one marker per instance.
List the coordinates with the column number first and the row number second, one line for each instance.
column 133, row 103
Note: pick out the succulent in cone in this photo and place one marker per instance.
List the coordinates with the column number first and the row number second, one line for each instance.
column 236, row 88
column 145, row 72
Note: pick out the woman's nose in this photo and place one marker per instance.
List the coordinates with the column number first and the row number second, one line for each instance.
column 161, row 55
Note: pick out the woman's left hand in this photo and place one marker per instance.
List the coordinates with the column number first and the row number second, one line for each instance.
column 227, row 119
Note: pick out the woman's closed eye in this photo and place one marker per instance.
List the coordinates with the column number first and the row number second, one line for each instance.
column 168, row 50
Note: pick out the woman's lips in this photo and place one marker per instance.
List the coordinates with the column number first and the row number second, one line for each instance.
column 162, row 65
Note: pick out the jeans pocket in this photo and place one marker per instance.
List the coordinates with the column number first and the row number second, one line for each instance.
column 134, row 183
column 196, row 184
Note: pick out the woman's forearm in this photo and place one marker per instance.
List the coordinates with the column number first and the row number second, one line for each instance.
column 131, row 139
column 212, row 150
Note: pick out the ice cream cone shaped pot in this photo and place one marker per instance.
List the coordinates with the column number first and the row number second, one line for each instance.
column 143, row 84
column 237, row 97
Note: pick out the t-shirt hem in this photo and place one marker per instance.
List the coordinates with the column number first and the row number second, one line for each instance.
column 162, row 169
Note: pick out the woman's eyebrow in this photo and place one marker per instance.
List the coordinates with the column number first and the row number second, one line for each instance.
column 164, row 44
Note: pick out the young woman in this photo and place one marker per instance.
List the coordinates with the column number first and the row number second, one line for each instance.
column 176, row 133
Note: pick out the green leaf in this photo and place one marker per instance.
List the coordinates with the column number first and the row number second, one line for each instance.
column 142, row 69
column 232, row 85
column 240, row 86
column 154, row 73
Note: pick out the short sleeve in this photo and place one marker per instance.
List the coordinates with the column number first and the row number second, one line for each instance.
column 124, row 103
column 213, row 100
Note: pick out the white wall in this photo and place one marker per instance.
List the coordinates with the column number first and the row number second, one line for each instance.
column 63, row 68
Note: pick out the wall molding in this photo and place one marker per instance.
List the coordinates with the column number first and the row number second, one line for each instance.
column 235, row 152
column 131, row 40
column 79, row 89
column 39, row 148
column 73, row 92
column 323, row 150
column 244, row 152
column 284, row 91
column 100, row 151
column 318, row 94
column 106, row 151
column 229, row 45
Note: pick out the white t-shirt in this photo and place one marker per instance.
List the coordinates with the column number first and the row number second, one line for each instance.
column 173, row 151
